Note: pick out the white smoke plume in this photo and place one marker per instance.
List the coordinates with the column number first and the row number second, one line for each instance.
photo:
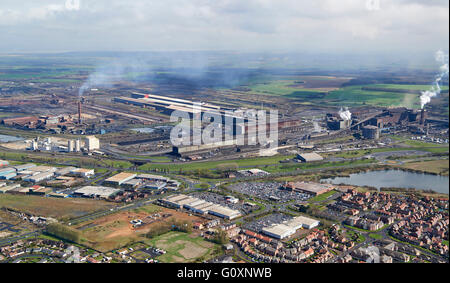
column 435, row 90
column 345, row 114
column 317, row 127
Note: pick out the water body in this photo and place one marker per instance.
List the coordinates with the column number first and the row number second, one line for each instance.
column 395, row 179
column 4, row 138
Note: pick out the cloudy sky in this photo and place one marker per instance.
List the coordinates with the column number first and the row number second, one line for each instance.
column 244, row 25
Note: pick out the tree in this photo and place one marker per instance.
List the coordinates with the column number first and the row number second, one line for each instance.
column 64, row 232
column 220, row 237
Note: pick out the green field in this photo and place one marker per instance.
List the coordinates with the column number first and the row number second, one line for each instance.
column 261, row 161
column 384, row 96
column 322, row 197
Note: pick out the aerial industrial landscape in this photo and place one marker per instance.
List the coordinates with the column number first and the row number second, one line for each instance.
column 104, row 160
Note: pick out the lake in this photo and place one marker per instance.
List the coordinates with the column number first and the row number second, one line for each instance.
column 395, row 179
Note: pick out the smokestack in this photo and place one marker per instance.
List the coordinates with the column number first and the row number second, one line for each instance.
column 79, row 112
column 422, row 117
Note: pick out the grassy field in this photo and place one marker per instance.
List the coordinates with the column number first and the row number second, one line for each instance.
column 376, row 236
column 261, row 161
column 53, row 207
column 183, row 248
column 322, row 197
column 435, row 166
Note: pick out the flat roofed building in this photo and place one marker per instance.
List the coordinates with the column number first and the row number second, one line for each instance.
column 279, row 231
column 224, row 212
column 204, row 208
column 24, row 167
column 9, row 188
column 83, row 172
column 303, row 222
column 153, row 177
column 64, row 171
column 96, row 192
column 309, row 157
column 309, row 188
column 39, row 177
column 120, row 178
column 42, row 168
column 156, row 185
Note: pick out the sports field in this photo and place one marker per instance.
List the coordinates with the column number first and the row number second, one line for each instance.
column 183, row 248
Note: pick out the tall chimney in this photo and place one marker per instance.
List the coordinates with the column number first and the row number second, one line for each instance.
column 422, row 117
column 79, row 112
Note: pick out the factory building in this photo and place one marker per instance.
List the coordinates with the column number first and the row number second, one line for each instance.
column 309, row 157
column 96, row 192
column 120, row 178
column 371, row 132
column 92, row 143
column 336, row 123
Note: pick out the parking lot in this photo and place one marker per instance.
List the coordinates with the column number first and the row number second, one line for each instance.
column 266, row 221
column 269, row 191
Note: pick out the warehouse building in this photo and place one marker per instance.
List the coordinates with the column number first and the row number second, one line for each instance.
column 156, row 185
column 39, row 177
column 309, row 157
column 314, row 189
column 64, row 171
column 155, row 178
column 279, row 231
column 120, row 178
column 289, row 228
column 86, row 173
column 24, row 167
column 224, row 212
column 96, row 192
column 200, row 206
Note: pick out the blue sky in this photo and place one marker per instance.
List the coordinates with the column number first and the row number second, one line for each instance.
column 244, row 25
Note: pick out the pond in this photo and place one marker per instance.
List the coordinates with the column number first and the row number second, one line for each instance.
column 395, row 179
column 4, row 138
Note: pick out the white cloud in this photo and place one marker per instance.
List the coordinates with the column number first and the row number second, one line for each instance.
column 226, row 24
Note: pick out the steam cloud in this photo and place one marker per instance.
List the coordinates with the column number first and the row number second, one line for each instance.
column 193, row 70
column 345, row 114
column 435, row 90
